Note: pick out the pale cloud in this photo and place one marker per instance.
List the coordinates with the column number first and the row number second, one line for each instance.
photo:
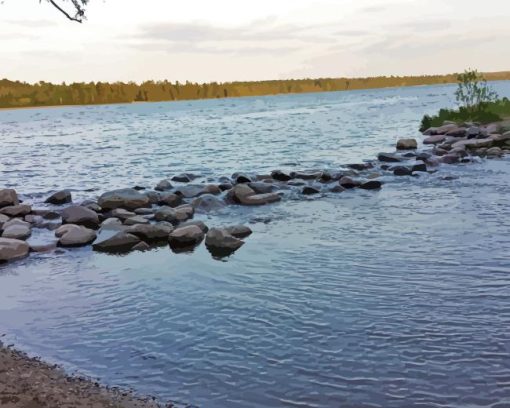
column 225, row 40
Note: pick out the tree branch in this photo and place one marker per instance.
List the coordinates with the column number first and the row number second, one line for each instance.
column 65, row 13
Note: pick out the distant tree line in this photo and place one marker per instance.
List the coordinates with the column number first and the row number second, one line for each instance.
column 22, row 94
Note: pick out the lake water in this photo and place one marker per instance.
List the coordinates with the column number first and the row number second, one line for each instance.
column 397, row 298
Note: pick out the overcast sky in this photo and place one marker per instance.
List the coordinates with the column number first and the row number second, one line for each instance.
column 225, row 40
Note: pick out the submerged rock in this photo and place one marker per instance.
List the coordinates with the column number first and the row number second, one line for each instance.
column 371, row 185
column 239, row 231
column 13, row 249
column 402, row 171
column 310, row 190
column 72, row 235
column 184, row 178
column 389, row 158
column 186, row 238
column 119, row 243
column 348, row 183
column 60, row 197
column 127, row 198
column 221, row 244
column 208, row 203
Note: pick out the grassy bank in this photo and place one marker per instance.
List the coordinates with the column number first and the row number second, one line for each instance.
column 15, row 94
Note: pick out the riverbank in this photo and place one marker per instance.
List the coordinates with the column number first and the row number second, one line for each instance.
column 30, row 383
column 16, row 94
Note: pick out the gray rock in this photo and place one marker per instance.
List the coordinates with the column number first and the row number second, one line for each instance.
column 8, row 197
column 12, row 249
column 221, row 244
column 240, row 178
column 435, row 139
column 407, row 144
column 3, row 219
column 261, row 187
column 304, row 175
column 165, row 214
column 419, row 167
column 196, row 190
column 137, row 219
column 360, row 166
column 280, row 175
column 199, row 224
column 19, row 210
column 111, row 222
column 494, row 152
column 337, row 189
column 119, row 243
column 261, row 199
column 144, row 211
column 457, row 132
column 60, row 197
column 171, row 200
column 163, row 185
column 141, row 246
column 450, row 158
column 184, row 212
column 122, row 214
column 389, row 158
column 239, row 231
column 72, row 235
column 401, row 171
column 128, row 198
column 17, row 231
column 208, row 203
column 186, row 237
column 184, row 178
column 151, row 232
column 348, row 183
column 310, row 190
column 371, row 185
column 80, row 216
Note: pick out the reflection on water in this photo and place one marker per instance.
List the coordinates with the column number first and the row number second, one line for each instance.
column 392, row 298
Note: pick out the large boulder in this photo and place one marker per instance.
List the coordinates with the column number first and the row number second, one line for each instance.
column 221, row 244
column 186, row 237
column 474, row 143
column 119, row 243
column 72, row 235
column 17, row 231
column 407, row 144
column 171, row 200
column 207, row 203
column 151, row 232
column 8, row 197
column 12, row 249
column 19, row 210
column 127, row 198
column 60, row 197
column 198, row 223
column 80, row 216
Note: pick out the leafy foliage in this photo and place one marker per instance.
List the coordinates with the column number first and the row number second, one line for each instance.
column 472, row 92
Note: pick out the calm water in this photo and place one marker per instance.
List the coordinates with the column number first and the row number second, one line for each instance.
column 364, row 299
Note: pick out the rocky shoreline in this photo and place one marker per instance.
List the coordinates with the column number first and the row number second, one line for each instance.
column 139, row 219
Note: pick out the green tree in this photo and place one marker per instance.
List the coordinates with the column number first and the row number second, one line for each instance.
column 472, row 92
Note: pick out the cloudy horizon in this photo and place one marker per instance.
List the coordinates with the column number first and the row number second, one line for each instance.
column 226, row 41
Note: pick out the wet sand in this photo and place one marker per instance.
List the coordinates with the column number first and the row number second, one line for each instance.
column 29, row 383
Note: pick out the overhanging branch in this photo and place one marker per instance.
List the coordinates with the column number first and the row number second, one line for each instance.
column 78, row 17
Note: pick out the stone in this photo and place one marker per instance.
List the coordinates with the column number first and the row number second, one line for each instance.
column 492, row 128
column 420, row 167
column 199, row 224
column 407, row 144
column 208, row 203
column 151, row 232
column 225, row 186
column 118, row 243
column 152, row 196
column 337, row 189
column 15, row 221
column 371, row 185
column 221, row 244
column 72, row 235
column 450, row 158
column 111, row 223
column 60, row 197
column 3, row 219
column 122, row 214
column 310, row 190
column 43, row 248
column 280, row 175
column 239, row 231
column 80, row 216
column 13, row 249
column 401, row 171
column 166, row 214
column 191, row 191
column 144, row 211
column 17, row 231
column 348, row 183
column 19, row 210
column 360, row 166
column 184, row 178
column 137, row 219
column 494, row 152
column 8, row 197
column 438, row 151
column 141, row 246
column 261, row 199
column 473, row 143
column 473, row 132
column 457, row 132
column 184, row 212
column 304, row 175
column 444, row 129
column 434, row 139
column 171, row 200
column 261, row 187
column 186, row 237
column 240, row 178
column 127, row 198
column 163, row 185
column 388, row 158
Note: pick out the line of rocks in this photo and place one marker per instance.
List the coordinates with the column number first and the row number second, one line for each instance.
column 132, row 219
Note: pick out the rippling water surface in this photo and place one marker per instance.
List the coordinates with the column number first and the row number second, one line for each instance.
column 395, row 298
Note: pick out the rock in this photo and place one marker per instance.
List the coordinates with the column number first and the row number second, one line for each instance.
column 261, row 199
column 473, row 132
column 473, row 143
column 371, row 185
column 337, row 189
column 141, row 246
column 80, row 216
column 163, row 185
column 388, row 158
column 12, row 249
column 17, row 231
column 401, row 171
column 500, row 139
column 409, row 155
column 60, row 197
column 8, row 197
column 119, row 243
column 225, row 186
column 423, row 156
column 261, row 187
column 360, row 166
column 171, row 200
column 72, row 235
column 296, row 183
column 208, row 203
column 186, row 237
column 152, row 196
column 348, row 183
column 3, row 219
column 419, row 167
column 435, row 139
column 137, row 219
column 492, row 128
column 15, row 221
column 407, row 144
column 94, row 207
column 199, row 224
column 151, row 232
column 184, row 178
column 450, row 158
column 144, row 211
column 439, row 151
column 304, row 175
column 122, row 214
column 457, row 132
column 192, row 191
column 43, row 248
column 166, row 214
column 111, row 223
column 444, row 129
column 309, row 190
column 239, row 231
column 221, row 244
column 280, row 175
column 239, row 192
column 494, row 152
column 19, row 210
column 128, row 199
column 184, row 212
column 240, row 178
